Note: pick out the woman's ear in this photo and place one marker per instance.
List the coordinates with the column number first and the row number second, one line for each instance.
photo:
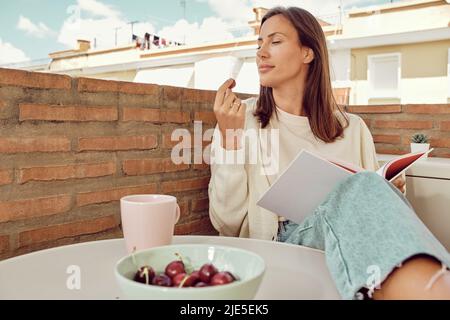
column 308, row 55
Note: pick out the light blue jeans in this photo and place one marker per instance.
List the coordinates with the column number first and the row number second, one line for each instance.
column 367, row 228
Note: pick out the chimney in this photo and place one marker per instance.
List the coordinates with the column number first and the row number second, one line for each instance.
column 83, row 45
column 259, row 14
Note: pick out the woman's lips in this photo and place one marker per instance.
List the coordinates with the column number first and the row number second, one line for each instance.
column 264, row 69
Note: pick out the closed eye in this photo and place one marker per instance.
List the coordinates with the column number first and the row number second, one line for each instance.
column 274, row 42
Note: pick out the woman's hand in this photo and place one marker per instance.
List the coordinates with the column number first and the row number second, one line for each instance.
column 230, row 114
column 400, row 183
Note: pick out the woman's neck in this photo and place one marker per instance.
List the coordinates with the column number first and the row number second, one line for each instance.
column 289, row 99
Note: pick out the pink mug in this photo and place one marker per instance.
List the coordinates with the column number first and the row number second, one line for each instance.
column 148, row 220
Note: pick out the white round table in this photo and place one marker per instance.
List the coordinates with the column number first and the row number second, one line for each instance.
column 293, row 272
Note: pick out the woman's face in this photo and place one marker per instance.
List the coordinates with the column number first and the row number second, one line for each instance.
column 280, row 57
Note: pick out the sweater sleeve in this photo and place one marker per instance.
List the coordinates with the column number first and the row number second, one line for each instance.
column 228, row 187
column 368, row 152
column 228, row 196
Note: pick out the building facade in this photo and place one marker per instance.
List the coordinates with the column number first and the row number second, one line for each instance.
column 398, row 53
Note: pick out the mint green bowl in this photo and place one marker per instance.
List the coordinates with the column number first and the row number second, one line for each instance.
column 247, row 266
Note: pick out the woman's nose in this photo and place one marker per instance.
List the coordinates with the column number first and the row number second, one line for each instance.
column 262, row 52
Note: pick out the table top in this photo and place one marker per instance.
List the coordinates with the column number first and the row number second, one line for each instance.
column 293, row 272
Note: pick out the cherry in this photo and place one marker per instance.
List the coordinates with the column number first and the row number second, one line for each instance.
column 178, row 279
column 162, row 280
column 174, row 268
column 192, row 279
column 222, row 278
column 145, row 275
column 207, row 271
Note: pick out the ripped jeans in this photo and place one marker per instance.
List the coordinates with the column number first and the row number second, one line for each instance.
column 367, row 228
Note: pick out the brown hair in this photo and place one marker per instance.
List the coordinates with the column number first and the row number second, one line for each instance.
column 319, row 103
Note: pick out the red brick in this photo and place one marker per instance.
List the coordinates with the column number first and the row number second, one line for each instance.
column 439, row 153
column 138, row 88
column 445, row 126
column 375, row 109
column 10, row 77
column 206, row 117
column 428, row 109
column 150, row 166
column 66, row 113
column 184, row 208
column 199, row 96
column 87, row 198
column 96, row 85
column 200, row 204
column 201, row 166
column 141, row 114
column 440, row 142
column 385, row 138
column 392, row 150
column 4, row 244
column 185, row 185
column 41, row 144
column 169, row 144
column 200, row 226
column 117, row 143
column 73, row 229
column 2, row 104
column 79, row 171
column 403, row 124
column 31, row 208
column 172, row 93
column 175, row 117
column 6, row 177
column 155, row 115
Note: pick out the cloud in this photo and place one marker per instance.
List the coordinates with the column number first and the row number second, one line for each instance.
column 11, row 54
column 39, row 30
column 96, row 8
column 101, row 31
column 83, row 23
column 211, row 29
column 92, row 19
column 242, row 10
column 234, row 10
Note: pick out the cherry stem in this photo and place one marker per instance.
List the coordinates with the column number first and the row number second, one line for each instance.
column 183, row 281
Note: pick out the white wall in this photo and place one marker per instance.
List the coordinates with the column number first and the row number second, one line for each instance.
column 178, row 76
column 340, row 67
column 248, row 78
column 210, row 73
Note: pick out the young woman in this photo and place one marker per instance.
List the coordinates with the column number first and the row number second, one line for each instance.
column 365, row 222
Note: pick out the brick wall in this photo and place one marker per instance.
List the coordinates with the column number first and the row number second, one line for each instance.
column 393, row 125
column 71, row 148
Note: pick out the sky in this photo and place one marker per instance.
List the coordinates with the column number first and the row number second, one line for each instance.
column 31, row 29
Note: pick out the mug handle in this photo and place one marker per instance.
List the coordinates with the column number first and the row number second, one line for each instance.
column 178, row 214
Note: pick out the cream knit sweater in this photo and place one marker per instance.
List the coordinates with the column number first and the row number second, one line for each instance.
column 235, row 188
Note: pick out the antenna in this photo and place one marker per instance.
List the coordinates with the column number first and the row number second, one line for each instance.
column 183, row 5
column 132, row 23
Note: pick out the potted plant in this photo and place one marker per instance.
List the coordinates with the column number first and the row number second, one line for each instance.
column 419, row 143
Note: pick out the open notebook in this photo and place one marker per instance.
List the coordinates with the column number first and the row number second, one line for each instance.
column 309, row 178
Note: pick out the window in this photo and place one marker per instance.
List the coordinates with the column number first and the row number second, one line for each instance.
column 384, row 74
